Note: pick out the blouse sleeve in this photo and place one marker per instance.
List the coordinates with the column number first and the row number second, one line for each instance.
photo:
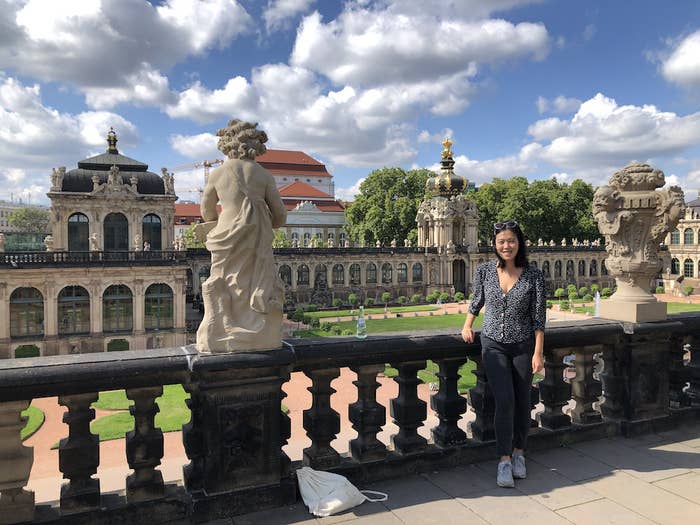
column 538, row 307
column 478, row 299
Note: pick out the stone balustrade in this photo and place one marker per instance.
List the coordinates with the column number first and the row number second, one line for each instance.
column 602, row 378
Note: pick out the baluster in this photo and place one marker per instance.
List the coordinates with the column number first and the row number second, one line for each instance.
column 285, row 434
column 321, row 422
column 448, row 404
column 554, row 391
column 409, row 412
column 614, row 382
column 144, row 446
column 193, row 440
column 16, row 504
column 367, row 416
column 482, row 403
column 79, row 455
column 677, row 373
column 693, row 391
column 584, row 388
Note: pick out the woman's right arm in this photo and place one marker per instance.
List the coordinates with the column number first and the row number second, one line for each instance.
column 474, row 307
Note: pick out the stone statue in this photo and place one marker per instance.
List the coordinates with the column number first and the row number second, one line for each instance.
column 634, row 218
column 378, row 244
column 168, row 181
column 407, row 243
column 539, row 242
column 93, row 243
column 95, row 182
column 137, row 242
column 295, row 243
column 2, row 242
column 48, row 242
column 243, row 296
column 552, row 243
column 57, row 178
column 563, row 242
column 114, row 179
column 331, row 242
column 393, row 243
column 314, row 242
column 450, row 247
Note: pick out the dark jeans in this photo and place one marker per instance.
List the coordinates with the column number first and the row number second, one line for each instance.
column 509, row 372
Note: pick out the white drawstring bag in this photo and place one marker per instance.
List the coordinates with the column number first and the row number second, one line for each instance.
column 326, row 493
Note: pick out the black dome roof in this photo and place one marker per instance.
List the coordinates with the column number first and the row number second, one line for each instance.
column 80, row 179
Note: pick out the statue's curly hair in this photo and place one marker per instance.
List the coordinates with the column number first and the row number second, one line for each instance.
column 241, row 140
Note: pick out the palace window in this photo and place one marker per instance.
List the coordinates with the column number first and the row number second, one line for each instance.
column 117, row 309
column 417, row 273
column 355, row 273
column 593, row 268
column 387, row 273
column 78, row 233
column 582, row 268
column 557, row 269
column 303, row 274
column 688, row 236
column 545, row 270
column 286, row 274
column 688, row 268
column 26, row 312
column 402, row 273
column 338, row 274
column 73, row 311
column 371, row 273
column 151, row 231
column 158, row 307
column 675, row 266
column 675, row 237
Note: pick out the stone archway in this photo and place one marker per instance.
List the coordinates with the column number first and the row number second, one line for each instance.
column 459, row 276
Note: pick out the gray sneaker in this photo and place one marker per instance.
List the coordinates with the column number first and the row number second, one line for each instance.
column 504, row 478
column 519, row 470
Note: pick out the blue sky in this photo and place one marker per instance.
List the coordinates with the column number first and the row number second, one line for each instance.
column 572, row 89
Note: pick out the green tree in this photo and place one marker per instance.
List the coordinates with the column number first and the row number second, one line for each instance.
column 30, row 220
column 387, row 205
column 281, row 240
column 191, row 240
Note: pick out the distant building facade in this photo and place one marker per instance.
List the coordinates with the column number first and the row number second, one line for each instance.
column 682, row 260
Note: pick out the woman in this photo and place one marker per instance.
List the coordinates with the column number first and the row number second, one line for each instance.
column 512, row 341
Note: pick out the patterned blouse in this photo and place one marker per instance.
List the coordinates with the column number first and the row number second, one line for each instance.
column 509, row 317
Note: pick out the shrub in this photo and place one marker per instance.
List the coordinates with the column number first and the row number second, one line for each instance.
column 297, row 316
column 587, row 298
column 347, row 332
column 352, row 299
column 386, row 297
column 570, row 288
column 688, row 289
column 606, row 292
column 27, row 351
column 550, row 304
column 432, row 297
column 444, row 297
column 416, row 298
column 564, row 305
column 337, row 302
column 402, row 299
column 471, row 296
column 582, row 291
column 315, row 322
column 559, row 293
column 336, row 329
column 311, row 308
column 369, row 301
column 325, row 326
column 660, row 289
column 594, row 288
column 459, row 296
column 573, row 296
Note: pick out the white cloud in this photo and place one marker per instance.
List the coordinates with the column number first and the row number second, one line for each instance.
column 560, row 104
column 111, row 44
column 560, row 176
column 199, row 147
column 589, row 32
column 278, row 13
column 349, row 194
column 426, row 137
column 547, row 129
column 366, row 47
column 683, row 65
column 203, row 105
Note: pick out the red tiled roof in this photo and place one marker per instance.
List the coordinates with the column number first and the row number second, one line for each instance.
column 334, row 206
column 294, row 163
column 191, row 210
column 302, row 189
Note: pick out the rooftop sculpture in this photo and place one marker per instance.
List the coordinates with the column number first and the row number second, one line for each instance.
column 243, row 296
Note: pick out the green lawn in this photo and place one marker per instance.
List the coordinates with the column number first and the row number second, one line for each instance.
column 370, row 311
column 429, row 375
column 675, row 308
column 35, row 419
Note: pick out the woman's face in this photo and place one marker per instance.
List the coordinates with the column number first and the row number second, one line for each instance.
column 507, row 245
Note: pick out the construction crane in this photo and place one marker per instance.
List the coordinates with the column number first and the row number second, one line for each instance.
column 207, row 165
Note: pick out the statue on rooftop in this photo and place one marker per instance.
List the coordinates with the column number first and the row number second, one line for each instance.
column 243, row 296
column 57, row 178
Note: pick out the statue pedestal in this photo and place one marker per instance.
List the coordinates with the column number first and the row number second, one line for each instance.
column 633, row 312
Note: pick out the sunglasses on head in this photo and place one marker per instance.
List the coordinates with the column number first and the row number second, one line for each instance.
column 497, row 227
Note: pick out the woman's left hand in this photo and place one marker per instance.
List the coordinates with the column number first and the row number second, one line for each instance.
column 537, row 362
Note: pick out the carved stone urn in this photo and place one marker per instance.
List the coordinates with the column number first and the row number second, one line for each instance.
column 634, row 218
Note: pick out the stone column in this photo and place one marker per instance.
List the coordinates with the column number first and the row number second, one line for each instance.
column 95, row 308
column 16, row 504
column 4, row 313
column 50, row 311
column 138, row 306
column 179, row 304
column 634, row 218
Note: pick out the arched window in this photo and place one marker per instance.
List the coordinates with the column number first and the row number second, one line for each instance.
column 73, row 311
column 151, row 231
column 688, row 268
column 78, row 233
column 371, row 273
column 675, row 237
column 159, row 307
column 417, row 272
column 557, row 269
column 26, row 312
column 303, row 274
column 675, row 266
column 582, row 268
column 331, row 236
column 402, row 273
column 117, row 309
column 593, row 268
column 320, row 276
column 545, row 270
column 533, row 264
column 355, row 276
column 570, row 269
column 387, row 273
column 204, row 273
column 116, row 233
column 688, row 236
column 295, row 237
column 341, row 240
column 603, row 269
column 338, row 274
column 307, row 239
column 286, row 274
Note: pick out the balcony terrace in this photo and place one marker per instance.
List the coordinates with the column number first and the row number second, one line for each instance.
column 617, row 435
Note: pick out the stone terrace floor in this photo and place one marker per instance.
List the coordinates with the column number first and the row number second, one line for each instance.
column 652, row 479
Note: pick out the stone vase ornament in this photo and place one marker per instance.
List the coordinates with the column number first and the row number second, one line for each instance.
column 634, row 216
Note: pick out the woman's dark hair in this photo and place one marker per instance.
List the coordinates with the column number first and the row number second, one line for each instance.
column 521, row 256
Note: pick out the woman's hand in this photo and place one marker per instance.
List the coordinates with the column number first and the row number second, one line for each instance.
column 537, row 362
column 468, row 335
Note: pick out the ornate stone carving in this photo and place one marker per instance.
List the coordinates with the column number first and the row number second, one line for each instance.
column 634, row 218
column 57, row 178
column 16, row 504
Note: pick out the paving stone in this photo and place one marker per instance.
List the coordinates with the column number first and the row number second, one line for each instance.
column 686, row 486
column 637, row 462
column 646, row 499
column 410, row 491
column 440, row 512
column 368, row 508
column 296, row 514
column 508, row 507
column 678, row 454
column 688, row 435
column 602, row 512
column 571, row 463
column 460, row 481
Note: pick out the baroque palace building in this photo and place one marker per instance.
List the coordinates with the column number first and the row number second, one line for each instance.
column 683, row 259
